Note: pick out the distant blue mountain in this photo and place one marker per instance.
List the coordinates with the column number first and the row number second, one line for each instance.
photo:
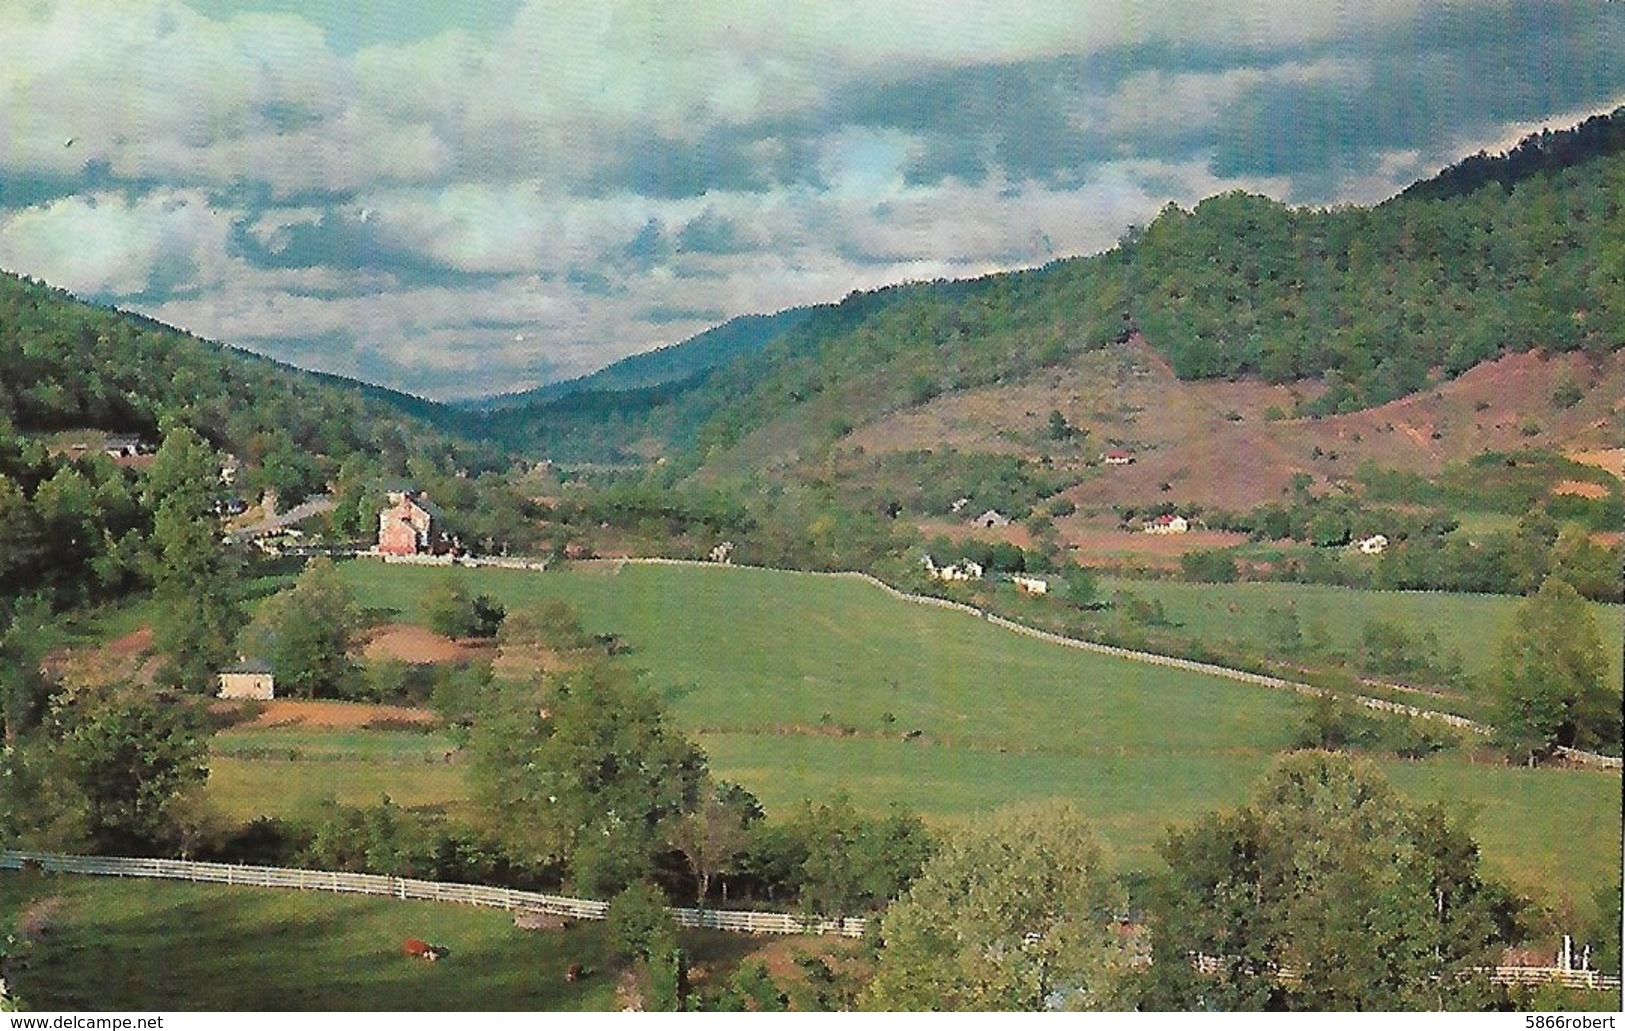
column 745, row 334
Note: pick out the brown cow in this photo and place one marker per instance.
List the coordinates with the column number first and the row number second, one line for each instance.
column 573, row 974
column 417, row 948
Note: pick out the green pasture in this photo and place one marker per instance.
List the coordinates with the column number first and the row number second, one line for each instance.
column 245, row 789
column 164, row 945
column 1469, row 624
column 748, row 651
column 1553, row 833
column 379, row 746
column 787, row 679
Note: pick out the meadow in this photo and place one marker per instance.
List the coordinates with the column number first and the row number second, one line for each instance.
column 164, row 945
column 803, row 686
column 1470, row 625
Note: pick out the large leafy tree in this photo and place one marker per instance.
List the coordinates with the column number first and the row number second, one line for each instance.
column 1016, row 914
column 130, row 757
column 582, row 766
column 194, row 576
column 1328, row 891
column 1552, row 674
column 307, row 632
column 24, row 689
column 714, row 836
column 849, row 862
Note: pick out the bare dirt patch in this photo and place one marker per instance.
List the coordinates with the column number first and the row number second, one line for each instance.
column 1086, row 541
column 1611, row 459
column 1232, row 445
column 405, row 643
column 1580, row 488
column 130, row 657
column 289, row 712
column 957, row 531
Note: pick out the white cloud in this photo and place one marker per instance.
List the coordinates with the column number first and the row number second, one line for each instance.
column 106, row 246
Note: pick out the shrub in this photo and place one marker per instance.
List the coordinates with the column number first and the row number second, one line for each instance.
column 1214, row 565
column 640, row 924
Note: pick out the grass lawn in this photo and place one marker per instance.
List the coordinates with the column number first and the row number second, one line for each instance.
column 1470, row 624
column 174, row 946
column 244, row 789
column 1549, row 832
column 1479, row 524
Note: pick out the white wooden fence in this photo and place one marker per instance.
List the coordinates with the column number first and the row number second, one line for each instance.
column 410, row 888
column 1568, row 977
column 1548, row 975
column 579, row 909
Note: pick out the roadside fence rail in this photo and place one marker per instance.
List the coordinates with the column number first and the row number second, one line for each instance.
column 408, row 888
column 1568, row 977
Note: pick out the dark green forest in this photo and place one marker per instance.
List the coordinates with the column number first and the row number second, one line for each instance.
column 65, row 364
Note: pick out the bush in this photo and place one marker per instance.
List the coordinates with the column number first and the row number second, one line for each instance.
column 668, row 980
column 452, row 612
column 640, row 924
column 751, row 990
column 1216, row 565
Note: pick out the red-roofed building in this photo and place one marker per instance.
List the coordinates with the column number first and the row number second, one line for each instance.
column 1168, row 524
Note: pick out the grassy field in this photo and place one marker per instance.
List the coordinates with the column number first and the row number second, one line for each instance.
column 787, row 681
column 1547, row 831
column 244, row 789
column 174, row 946
column 1470, row 624
column 385, row 746
column 747, row 651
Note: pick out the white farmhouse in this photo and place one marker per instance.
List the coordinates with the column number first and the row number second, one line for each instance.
column 1168, row 524
column 1375, row 544
column 958, row 572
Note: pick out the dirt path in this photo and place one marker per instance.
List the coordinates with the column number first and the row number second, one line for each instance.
column 309, row 715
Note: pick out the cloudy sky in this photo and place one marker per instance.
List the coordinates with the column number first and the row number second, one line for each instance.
column 461, row 198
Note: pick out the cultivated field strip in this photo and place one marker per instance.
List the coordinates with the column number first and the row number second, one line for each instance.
column 407, row 888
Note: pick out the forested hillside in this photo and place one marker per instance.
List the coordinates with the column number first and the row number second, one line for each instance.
column 1522, row 252
column 79, row 525
column 65, row 364
column 615, row 424
column 1374, row 299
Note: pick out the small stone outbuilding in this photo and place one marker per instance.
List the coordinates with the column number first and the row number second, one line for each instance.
column 251, row 679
